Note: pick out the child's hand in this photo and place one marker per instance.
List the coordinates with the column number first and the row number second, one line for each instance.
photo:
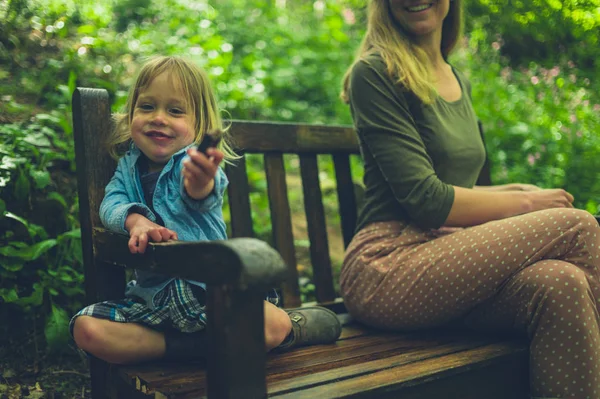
column 142, row 230
column 199, row 172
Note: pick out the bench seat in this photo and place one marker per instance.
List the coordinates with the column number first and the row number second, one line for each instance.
column 365, row 363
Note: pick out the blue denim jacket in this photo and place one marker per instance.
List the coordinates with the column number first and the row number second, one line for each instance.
column 191, row 219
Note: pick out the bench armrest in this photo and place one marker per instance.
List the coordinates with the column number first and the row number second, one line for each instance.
column 242, row 262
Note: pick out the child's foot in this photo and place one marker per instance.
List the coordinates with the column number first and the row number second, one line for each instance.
column 311, row 326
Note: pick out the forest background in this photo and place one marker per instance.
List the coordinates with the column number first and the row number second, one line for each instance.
column 534, row 67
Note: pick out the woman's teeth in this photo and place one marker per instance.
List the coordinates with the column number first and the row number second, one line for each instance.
column 418, row 8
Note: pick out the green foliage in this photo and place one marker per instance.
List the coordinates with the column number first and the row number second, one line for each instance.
column 57, row 329
column 544, row 31
column 541, row 124
column 40, row 252
column 290, row 69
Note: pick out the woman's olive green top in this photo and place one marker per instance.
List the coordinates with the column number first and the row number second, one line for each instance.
column 413, row 153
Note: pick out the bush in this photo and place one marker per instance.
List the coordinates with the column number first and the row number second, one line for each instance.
column 541, row 124
column 40, row 245
column 548, row 32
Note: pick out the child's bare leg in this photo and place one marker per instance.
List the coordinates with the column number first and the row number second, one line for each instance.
column 277, row 325
column 125, row 343
column 120, row 343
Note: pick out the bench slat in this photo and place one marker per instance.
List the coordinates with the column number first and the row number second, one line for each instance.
column 281, row 222
column 260, row 137
column 346, row 197
column 350, row 353
column 393, row 380
column 363, row 365
column 317, row 230
column 372, row 345
column 239, row 199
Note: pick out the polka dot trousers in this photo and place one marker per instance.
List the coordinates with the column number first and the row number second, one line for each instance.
column 536, row 274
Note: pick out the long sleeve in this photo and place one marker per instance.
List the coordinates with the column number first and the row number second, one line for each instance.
column 397, row 163
column 214, row 199
column 119, row 200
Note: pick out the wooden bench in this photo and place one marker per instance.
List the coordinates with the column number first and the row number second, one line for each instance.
column 363, row 363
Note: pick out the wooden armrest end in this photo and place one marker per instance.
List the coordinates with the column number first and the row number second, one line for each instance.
column 243, row 262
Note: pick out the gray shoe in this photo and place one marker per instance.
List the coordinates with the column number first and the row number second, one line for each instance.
column 312, row 326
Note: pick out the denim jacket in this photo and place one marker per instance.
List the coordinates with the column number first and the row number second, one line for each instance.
column 192, row 220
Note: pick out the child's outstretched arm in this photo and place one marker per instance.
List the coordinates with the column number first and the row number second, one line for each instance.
column 199, row 172
column 141, row 230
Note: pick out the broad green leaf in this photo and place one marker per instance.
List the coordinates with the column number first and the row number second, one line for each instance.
column 35, row 299
column 75, row 233
column 73, row 291
column 29, row 253
column 41, row 178
column 58, row 198
column 12, row 264
column 40, row 139
column 33, row 229
column 57, row 329
column 17, row 218
column 22, row 187
column 9, row 294
column 47, row 117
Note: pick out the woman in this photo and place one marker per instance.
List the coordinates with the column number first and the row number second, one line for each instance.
column 432, row 248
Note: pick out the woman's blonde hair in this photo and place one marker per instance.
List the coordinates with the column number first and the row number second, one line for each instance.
column 199, row 97
column 405, row 61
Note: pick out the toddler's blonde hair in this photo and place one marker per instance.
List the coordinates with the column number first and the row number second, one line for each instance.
column 200, row 98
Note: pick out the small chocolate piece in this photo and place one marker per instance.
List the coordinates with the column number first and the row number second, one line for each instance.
column 211, row 139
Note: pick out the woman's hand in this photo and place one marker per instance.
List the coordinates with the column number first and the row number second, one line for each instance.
column 199, row 172
column 141, row 230
column 509, row 187
column 524, row 187
column 550, row 198
column 473, row 207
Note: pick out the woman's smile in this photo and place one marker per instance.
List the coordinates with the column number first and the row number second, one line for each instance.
column 420, row 18
column 419, row 8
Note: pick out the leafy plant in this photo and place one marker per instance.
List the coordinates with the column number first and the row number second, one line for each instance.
column 541, row 124
column 40, row 255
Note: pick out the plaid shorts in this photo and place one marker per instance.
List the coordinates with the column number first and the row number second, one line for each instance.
column 179, row 305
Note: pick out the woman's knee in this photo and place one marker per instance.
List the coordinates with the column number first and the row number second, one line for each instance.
column 574, row 217
column 565, row 286
column 277, row 326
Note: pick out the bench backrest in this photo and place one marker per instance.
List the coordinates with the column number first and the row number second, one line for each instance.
column 273, row 140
